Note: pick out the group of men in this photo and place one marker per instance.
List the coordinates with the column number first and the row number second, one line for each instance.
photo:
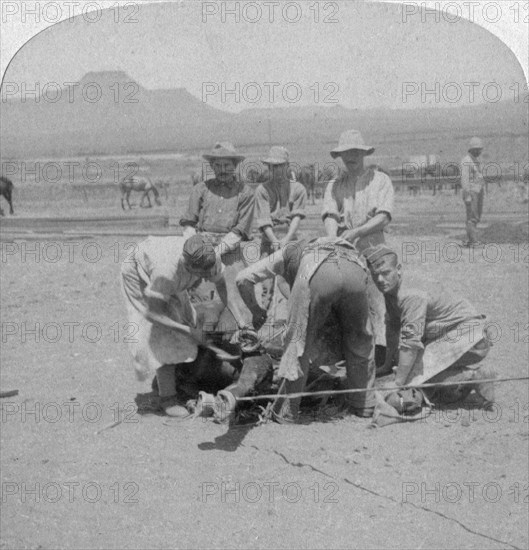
column 348, row 283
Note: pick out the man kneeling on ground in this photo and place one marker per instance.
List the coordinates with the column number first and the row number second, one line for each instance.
column 438, row 336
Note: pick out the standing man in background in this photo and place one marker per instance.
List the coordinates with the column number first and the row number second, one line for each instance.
column 472, row 185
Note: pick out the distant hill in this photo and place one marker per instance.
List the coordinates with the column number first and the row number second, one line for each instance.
column 107, row 113
column 117, row 116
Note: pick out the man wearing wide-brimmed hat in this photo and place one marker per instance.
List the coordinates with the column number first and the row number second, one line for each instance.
column 222, row 208
column 473, row 187
column 358, row 205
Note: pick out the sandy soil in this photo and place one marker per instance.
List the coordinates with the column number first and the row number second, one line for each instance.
column 458, row 479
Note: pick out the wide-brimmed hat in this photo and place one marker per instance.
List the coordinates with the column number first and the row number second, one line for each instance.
column 224, row 150
column 277, row 155
column 475, row 143
column 351, row 139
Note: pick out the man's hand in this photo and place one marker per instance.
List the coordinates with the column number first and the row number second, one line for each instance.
column 259, row 318
column 350, row 235
column 467, row 197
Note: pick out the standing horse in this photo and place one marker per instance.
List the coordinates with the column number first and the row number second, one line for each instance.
column 141, row 184
column 6, row 189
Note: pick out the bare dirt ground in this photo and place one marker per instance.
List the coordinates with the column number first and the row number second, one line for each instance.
column 457, row 479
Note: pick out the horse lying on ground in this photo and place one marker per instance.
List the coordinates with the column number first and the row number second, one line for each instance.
column 141, row 184
column 6, row 189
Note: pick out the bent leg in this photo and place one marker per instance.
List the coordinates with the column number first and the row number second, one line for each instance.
column 255, row 371
column 461, row 371
column 472, row 217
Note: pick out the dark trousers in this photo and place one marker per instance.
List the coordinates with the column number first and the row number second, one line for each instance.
column 338, row 292
column 474, row 209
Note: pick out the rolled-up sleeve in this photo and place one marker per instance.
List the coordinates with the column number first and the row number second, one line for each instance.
column 413, row 320
column 330, row 204
column 245, row 214
column 191, row 215
column 263, row 216
column 298, row 200
column 385, row 196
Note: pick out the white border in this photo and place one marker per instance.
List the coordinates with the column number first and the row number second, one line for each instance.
column 515, row 35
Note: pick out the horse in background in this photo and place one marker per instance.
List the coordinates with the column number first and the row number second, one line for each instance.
column 6, row 190
column 141, row 184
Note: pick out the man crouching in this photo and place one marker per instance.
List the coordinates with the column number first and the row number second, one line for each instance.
column 155, row 283
column 328, row 281
column 438, row 336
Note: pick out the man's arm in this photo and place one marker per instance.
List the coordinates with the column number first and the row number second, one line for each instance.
column 392, row 346
column 407, row 358
column 189, row 231
column 247, row 279
column 330, row 212
column 155, row 313
column 413, row 323
column 373, row 225
column 292, row 228
column 228, row 243
column 268, row 232
column 297, row 213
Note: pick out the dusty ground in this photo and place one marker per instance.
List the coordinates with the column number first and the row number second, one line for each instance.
column 458, row 479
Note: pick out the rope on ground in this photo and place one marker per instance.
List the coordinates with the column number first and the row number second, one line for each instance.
column 396, row 388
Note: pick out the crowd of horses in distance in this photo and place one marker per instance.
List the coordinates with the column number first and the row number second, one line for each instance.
column 314, row 179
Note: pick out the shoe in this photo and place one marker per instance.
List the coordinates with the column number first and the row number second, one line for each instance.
column 367, row 412
column 224, row 407
column 485, row 389
column 172, row 406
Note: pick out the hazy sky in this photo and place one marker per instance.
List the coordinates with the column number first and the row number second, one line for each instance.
column 363, row 60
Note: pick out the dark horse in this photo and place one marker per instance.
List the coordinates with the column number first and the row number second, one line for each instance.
column 141, row 184
column 6, row 189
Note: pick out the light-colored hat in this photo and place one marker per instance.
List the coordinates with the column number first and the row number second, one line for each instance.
column 277, row 155
column 224, row 150
column 351, row 139
column 475, row 143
